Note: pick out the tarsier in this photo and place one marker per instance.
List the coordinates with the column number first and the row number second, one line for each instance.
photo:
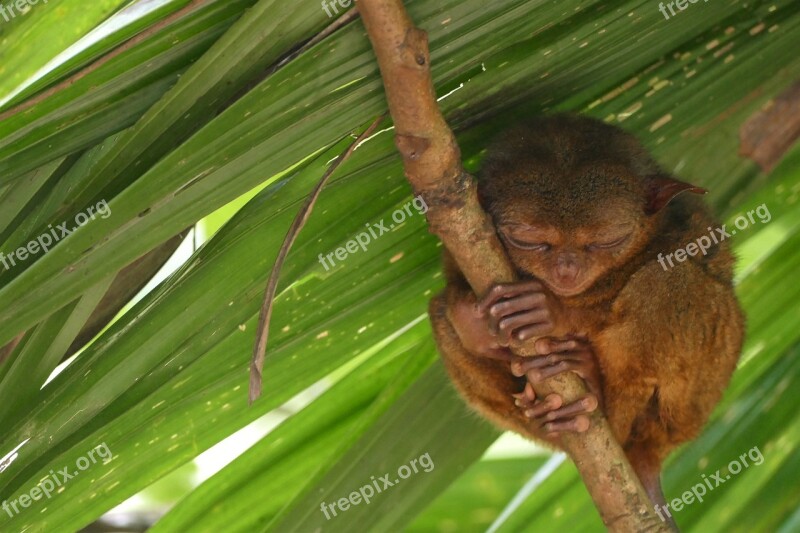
column 584, row 212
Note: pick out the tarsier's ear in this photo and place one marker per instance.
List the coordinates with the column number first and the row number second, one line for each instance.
column 662, row 189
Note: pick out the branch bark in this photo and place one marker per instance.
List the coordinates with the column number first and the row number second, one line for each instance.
column 432, row 162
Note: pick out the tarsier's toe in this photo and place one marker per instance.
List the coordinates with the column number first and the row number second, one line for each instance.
column 526, row 398
column 578, row 424
column 548, row 345
column 554, row 417
column 520, row 366
column 541, row 408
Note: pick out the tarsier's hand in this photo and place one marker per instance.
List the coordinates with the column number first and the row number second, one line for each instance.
column 557, row 355
column 472, row 328
column 508, row 312
column 517, row 311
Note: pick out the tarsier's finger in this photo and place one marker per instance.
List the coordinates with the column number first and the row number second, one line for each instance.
column 508, row 290
column 548, row 345
column 521, row 365
column 514, row 307
column 534, row 330
column 507, row 325
column 537, row 375
column 515, row 304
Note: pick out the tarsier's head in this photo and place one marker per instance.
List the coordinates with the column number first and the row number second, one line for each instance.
column 573, row 199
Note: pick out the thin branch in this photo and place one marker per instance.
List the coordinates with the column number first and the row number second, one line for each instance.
column 432, row 162
column 102, row 60
column 259, row 351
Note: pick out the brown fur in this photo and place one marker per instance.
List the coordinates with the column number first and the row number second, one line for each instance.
column 666, row 342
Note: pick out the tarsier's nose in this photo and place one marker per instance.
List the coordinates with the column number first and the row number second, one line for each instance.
column 567, row 267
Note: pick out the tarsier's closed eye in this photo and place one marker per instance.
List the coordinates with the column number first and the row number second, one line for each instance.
column 522, row 245
column 606, row 245
column 524, row 237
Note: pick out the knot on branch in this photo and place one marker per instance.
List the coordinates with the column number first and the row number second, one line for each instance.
column 414, row 48
column 412, row 147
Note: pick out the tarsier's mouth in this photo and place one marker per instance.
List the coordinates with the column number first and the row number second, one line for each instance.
column 568, row 290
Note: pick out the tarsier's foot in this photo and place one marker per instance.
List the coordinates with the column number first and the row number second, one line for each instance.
column 557, row 355
column 552, row 417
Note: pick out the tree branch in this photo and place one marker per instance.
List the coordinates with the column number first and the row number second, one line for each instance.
column 432, row 163
column 265, row 315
